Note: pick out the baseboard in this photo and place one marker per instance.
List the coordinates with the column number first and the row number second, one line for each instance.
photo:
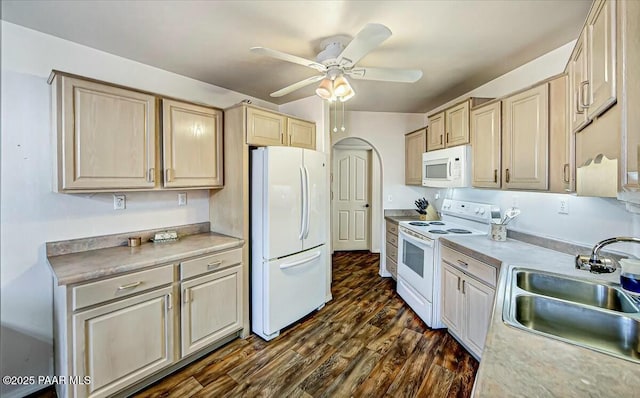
column 29, row 391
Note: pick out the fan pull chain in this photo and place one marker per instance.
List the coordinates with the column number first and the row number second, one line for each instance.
column 335, row 117
column 342, row 128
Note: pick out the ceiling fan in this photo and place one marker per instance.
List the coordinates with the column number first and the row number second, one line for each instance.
column 338, row 60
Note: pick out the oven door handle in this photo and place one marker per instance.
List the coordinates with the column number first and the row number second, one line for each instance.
column 416, row 241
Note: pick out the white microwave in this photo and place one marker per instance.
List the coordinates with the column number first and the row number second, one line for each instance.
column 447, row 168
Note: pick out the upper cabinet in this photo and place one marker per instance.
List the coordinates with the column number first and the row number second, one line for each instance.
column 451, row 126
column 191, row 145
column 415, row 144
column 525, row 139
column 592, row 66
column 105, row 135
column 266, row 128
column 486, row 138
column 107, row 139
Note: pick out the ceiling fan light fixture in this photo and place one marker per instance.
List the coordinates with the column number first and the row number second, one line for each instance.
column 325, row 89
column 341, row 86
column 349, row 95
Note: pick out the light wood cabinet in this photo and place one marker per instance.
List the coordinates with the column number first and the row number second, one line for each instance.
column 577, row 76
column 192, row 145
column 107, row 139
column 486, row 139
column 467, row 294
column 211, row 308
column 451, row 127
column 525, row 139
column 391, row 249
column 561, row 139
column 436, row 131
column 266, row 128
column 105, row 136
column 601, row 57
column 301, row 134
column 121, row 343
column 415, row 144
column 457, row 125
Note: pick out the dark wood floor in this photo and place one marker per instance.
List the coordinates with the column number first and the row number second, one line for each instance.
column 364, row 343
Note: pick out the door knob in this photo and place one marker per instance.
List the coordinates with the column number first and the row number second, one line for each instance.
column 367, row 205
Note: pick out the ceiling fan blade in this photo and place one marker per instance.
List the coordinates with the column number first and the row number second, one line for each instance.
column 289, row 58
column 366, row 40
column 296, row 86
column 386, row 74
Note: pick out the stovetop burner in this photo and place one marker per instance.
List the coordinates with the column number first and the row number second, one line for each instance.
column 459, row 231
column 436, row 223
column 438, row 231
column 419, row 223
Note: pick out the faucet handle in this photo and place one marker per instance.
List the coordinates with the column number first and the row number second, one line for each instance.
column 599, row 265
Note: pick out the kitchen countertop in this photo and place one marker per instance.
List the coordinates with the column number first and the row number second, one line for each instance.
column 518, row 363
column 397, row 219
column 92, row 264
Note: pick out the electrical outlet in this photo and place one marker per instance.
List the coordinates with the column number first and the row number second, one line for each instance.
column 389, row 198
column 437, row 195
column 182, row 199
column 563, row 206
column 119, row 202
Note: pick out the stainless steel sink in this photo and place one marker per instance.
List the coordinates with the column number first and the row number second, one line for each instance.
column 579, row 291
column 598, row 316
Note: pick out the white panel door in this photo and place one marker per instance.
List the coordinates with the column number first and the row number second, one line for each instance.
column 284, row 175
column 351, row 218
column 294, row 286
column 315, row 164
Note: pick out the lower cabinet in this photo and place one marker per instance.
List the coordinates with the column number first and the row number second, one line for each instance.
column 211, row 308
column 392, row 249
column 112, row 333
column 468, row 290
column 121, row 343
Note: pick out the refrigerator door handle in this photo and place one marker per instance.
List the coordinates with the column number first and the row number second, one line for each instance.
column 307, row 214
column 304, row 205
column 300, row 262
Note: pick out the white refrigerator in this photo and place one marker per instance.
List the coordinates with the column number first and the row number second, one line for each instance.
column 288, row 236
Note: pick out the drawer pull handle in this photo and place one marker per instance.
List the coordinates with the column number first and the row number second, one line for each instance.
column 462, row 264
column 214, row 264
column 130, row 285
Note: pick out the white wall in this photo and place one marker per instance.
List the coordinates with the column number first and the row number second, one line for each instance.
column 589, row 219
column 384, row 131
column 32, row 214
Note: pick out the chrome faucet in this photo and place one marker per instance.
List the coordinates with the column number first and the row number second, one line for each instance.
column 601, row 264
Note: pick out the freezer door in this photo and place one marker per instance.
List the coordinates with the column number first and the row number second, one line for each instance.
column 282, row 216
column 293, row 287
column 315, row 164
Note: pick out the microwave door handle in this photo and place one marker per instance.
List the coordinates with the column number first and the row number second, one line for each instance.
column 449, row 169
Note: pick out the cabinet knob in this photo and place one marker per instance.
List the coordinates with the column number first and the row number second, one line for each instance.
column 507, row 175
column 495, row 175
column 565, row 173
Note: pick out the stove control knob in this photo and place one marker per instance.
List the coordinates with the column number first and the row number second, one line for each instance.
column 477, row 210
column 481, row 211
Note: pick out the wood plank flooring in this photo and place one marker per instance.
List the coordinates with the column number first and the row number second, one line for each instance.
column 364, row 343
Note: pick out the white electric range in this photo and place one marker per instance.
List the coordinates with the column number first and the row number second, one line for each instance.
column 419, row 267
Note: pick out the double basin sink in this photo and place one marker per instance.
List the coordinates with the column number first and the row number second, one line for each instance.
column 595, row 315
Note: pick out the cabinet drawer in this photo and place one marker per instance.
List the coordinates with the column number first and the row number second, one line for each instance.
column 392, row 238
column 120, row 286
column 392, row 267
column 391, row 227
column 214, row 262
column 392, row 252
column 470, row 266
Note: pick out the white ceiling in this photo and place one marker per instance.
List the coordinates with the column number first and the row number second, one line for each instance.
column 459, row 45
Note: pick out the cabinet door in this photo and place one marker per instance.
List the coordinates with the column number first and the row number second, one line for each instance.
column 265, row 128
column 435, row 133
column 414, row 145
column 452, row 310
column 120, row 343
column 301, row 134
column 211, row 308
column 192, row 145
column 478, row 304
column 561, row 139
column 601, row 57
column 525, row 139
column 577, row 82
column 106, row 136
column 486, row 136
column 457, row 125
